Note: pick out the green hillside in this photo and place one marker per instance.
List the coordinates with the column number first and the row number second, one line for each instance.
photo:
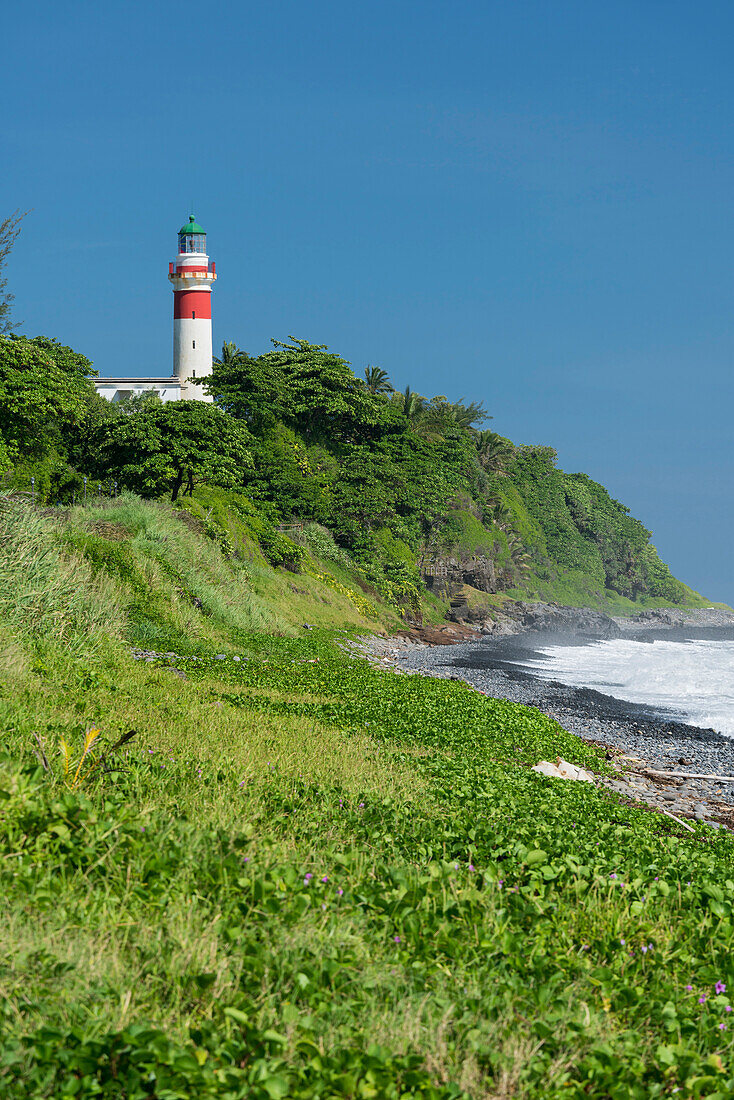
column 394, row 488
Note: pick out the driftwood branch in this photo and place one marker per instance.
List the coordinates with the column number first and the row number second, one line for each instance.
column 689, row 775
column 679, row 820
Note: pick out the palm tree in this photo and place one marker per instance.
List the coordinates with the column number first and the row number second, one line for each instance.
column 410, row 404
column 501, row 515
column 230, row 357
column 377, row 381
column 494, row 452
column 518, row 556
column 466, row 416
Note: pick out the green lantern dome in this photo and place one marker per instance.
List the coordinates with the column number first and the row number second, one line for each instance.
column 192, row 227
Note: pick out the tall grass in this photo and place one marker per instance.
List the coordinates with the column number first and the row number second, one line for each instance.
column 192, row 582
column 47, row 593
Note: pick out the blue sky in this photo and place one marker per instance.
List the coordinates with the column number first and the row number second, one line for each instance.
column 525, row 203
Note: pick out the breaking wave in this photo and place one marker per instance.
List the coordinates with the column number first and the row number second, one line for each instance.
column 692, row 680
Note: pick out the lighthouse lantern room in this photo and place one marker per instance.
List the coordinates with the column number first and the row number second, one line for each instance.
column 192, row 277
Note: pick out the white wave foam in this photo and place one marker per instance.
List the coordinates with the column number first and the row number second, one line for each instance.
column 694, row 680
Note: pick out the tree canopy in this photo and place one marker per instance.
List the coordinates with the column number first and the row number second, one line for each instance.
column 45, row 392
column 162, row 448
column 393, row 476
column 9, row 230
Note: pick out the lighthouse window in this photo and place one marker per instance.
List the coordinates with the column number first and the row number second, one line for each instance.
column 193, row 343
column 193, row 314
column 192, row 242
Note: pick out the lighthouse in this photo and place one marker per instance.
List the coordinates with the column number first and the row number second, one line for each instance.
column 192, row 277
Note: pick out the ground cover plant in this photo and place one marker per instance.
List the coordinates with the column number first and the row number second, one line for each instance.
column 301, row 876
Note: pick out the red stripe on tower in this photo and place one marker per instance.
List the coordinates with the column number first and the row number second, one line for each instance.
column 192, row 303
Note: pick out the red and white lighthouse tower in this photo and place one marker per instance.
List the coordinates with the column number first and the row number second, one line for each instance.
column 192, row 277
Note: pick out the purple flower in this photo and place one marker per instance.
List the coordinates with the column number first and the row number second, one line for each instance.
column 689, row 988
column 644, row 949
column 722, row 1027
column 396, row 939
column 307, row 879
column 471, row 866
column 325, row 878
column 702, row 999
column 340, row 892
column 720, row 987
column 584, row 947
column 613, row 875
column 622, row 942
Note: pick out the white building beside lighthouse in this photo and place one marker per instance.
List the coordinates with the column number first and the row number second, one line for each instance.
column 192, row 277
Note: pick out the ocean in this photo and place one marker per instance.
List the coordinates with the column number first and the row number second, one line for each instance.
column 691, row 679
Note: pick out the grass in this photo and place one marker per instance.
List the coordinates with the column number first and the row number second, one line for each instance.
column 48, row 594
column 180, row 588
column 306, row 877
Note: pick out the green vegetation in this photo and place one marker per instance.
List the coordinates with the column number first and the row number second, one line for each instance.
column 395, row 481
column 304, row 877
column 590, row 536
column 9, row 230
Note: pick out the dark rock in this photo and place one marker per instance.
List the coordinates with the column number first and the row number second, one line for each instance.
column 568, row 620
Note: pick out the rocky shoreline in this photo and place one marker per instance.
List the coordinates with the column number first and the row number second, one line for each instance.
column 638, row 740
column 467, row 623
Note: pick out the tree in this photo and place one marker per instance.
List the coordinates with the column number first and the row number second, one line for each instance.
column 9, row 230
column 439, row 415
column 284, row 474
column 249, row 389
column 162, row 448
column 322, row 398
column 464, row 415
column 377, row 381
column 433, row 419
column 494, row 452
column 45, row 392
column 409, row 404
column 231, row 355
column 309, row 388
